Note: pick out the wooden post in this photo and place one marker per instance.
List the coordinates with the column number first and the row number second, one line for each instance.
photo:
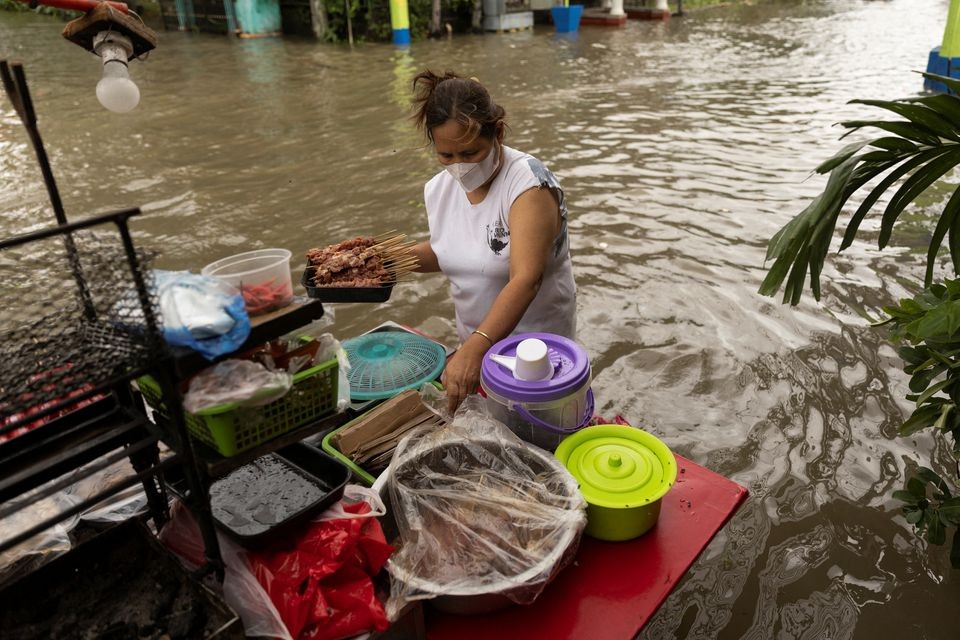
column 346, row 4
column 435, row 26
column 318, row 18
column 476, row 21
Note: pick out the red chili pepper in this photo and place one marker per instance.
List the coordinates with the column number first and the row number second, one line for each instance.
column 265, row 296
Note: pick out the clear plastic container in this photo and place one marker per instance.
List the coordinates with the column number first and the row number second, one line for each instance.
column 262, row 276
column 544, row 424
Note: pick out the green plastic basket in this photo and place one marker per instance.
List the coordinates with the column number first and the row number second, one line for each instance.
column 231, row 429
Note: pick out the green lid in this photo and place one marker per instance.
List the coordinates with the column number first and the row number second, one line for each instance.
column 618, row 466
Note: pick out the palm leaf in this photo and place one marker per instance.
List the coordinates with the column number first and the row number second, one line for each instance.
column 922, row 149
column 946, row 221
column 913, row 187
column 946, row 105
column 918, row 114
column 841, row 156
column 901, row 128
column 951, row 83
column 892, row 143
column 954, row 242
column 880, row 189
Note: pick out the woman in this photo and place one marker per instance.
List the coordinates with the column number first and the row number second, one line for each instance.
column 498, row 227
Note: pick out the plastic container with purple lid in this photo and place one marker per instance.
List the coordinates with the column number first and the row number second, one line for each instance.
column 541, row 412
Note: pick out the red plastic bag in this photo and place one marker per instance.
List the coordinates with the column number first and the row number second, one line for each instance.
column 321, row 583
column 617, row 419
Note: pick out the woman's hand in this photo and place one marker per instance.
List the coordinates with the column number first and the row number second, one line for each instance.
column 461, row 377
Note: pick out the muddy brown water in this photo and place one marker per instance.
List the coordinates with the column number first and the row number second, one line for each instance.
column 683, row 147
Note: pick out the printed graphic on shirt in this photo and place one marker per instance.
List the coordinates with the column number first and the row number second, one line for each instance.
column 498, row 237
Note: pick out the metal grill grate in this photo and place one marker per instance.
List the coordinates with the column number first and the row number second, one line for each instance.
column 61, row 339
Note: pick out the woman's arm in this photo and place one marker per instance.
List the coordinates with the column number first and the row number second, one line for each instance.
column 428, row 259
column 534, row 224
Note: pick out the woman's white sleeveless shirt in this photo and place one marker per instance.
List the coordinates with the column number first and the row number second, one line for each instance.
column 472, row 244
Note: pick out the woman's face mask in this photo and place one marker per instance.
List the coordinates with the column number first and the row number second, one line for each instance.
column 457, row 153
column 473, row 175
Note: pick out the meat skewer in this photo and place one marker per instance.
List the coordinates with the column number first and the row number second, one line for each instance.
column 361, row 262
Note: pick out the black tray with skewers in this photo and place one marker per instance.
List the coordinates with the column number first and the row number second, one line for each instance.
column 345, row 294
column 349, row 271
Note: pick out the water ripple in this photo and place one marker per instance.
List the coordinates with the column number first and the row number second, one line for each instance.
column 683, row 147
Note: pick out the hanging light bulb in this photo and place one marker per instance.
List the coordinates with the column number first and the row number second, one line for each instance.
column 115, row 91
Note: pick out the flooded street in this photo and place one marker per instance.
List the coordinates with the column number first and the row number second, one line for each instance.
column 683, row 147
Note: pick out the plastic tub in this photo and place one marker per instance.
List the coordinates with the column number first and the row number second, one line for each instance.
column 623, row 474
column 262, row 276
column 567, row 19
column 545, row 412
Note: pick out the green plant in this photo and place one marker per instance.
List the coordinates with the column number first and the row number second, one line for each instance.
column 931, row 508
column 914, row 153
column 926, row 327
column 370, row 19
column 924, row 147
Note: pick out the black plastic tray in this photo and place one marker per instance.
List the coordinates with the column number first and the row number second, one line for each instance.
column 310, row 462
column 346, row 294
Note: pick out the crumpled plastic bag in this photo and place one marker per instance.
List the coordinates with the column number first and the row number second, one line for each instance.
column 203, row 313
column 40, row 549
column 329, row 348
column 321, row 583
column 478, row 511
column 242, row 591
column 241, row 382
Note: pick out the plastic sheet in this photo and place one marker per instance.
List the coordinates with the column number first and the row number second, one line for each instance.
column 122, row 507
column 241, row 591
column 55, row 541
column 479, row 511
column 329, row 348
column 34, row 552
column 245, row 383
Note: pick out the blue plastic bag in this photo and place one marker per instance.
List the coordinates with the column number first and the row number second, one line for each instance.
column 202, row 313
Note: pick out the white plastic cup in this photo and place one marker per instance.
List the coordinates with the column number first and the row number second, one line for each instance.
column 533, row 361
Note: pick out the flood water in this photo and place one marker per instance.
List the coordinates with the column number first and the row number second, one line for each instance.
column 683, row 146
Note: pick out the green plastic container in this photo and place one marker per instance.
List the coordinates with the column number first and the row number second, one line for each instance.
column 358, row 472
column 231, row 429
column 623, row 474
column 327, row 445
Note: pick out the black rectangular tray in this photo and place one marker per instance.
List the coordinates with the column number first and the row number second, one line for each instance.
column 325, row 471
column 346, row 294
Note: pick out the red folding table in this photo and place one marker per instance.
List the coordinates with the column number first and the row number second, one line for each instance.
column 613, row 588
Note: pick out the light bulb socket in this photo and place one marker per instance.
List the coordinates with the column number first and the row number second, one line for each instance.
column 112, row 46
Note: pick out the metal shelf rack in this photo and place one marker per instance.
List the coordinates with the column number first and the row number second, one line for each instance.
column 78, row 323
column 72, row 340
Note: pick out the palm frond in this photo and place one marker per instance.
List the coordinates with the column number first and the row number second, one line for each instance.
column 924, row 148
